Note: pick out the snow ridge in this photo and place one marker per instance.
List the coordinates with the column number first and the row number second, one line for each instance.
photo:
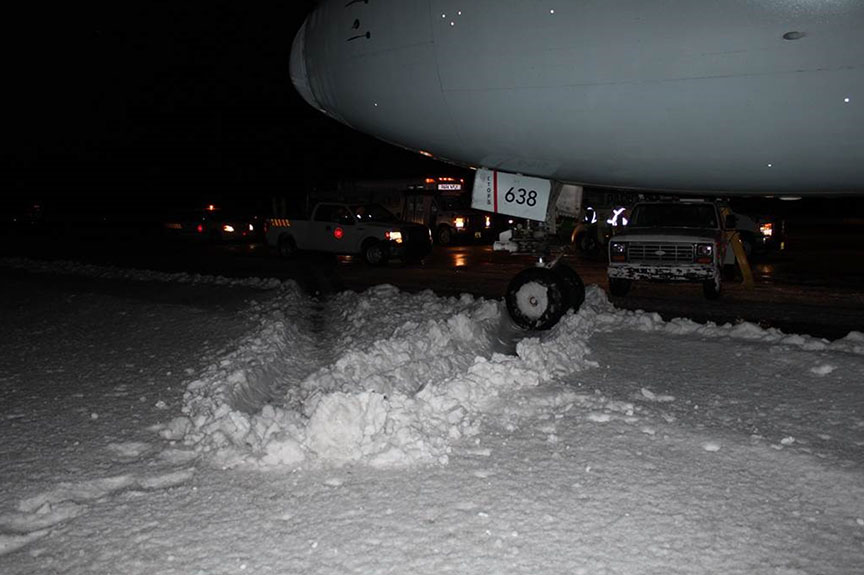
column 609, row 319
column 118, row 273
column 404, row 398
column 424, row 383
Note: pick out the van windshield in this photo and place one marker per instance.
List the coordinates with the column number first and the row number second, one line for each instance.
column 454, row 203
column 674, row 216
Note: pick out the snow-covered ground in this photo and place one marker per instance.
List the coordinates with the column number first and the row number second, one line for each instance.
column 168, row 423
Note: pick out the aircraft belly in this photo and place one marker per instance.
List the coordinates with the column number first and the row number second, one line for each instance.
column 771, row 129
column 646, row 96
column 529, row 44
column 680, row 95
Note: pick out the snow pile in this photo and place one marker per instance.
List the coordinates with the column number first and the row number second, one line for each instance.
column 117, row 273
column 387, row 378
column 606, row 318
column 422, row 384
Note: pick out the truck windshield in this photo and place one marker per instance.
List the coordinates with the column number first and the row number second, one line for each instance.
column 372, row 213
column 674, row 216
column 454, row 203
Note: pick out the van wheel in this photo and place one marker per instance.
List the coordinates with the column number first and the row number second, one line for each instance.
column 444, row 236
column 373, row 253
column 619, row 286
column 287, row 247
column 711, row 289
column 537, row 298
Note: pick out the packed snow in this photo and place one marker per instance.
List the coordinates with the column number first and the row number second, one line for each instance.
column 172, row 423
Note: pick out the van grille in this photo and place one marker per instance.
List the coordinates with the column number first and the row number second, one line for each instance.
column 660, row 253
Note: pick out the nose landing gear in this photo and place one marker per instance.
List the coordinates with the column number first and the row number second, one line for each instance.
column 537, row 297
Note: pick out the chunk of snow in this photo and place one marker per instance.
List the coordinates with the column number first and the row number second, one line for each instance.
column 823, row 369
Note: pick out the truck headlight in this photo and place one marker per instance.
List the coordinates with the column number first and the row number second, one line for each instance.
column 394, row 236
column 488, row 222
column 704, row 253
column 618, row 251
column 228, row 228
column 459, row 223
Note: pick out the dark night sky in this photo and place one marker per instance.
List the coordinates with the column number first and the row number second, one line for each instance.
column 169, row 99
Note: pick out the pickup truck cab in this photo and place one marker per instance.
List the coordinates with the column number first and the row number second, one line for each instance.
column 669, row 241
column 369, row 230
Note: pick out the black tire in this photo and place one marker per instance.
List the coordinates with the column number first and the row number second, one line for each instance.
column 536, row 298
column 573, row 283
column 619, row 286
column 287, row 246
column 374, row 253
column 443, row 236
column 711, row 289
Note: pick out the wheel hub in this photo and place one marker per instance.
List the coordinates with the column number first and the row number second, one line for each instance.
column 533, row 299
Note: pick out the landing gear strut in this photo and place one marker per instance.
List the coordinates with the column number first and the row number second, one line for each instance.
column 539, row 296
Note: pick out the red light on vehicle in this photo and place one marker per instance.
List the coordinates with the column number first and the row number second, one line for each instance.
column 338, row 233
column 704, row 253
column 200, row 228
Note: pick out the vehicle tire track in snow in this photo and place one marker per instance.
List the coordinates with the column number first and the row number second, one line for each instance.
column 36, row 515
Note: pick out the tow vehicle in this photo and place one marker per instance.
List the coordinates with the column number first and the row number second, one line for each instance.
column 670, row 241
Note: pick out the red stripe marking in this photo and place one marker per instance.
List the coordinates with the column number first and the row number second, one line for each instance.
column 495, row 188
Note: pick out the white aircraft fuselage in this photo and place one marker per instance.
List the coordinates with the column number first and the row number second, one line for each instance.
column 730, row 97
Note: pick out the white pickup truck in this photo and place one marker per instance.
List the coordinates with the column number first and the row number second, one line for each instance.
column 369, row 230
column 670, row 241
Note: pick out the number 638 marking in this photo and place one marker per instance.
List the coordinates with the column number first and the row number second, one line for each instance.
column 521, row 196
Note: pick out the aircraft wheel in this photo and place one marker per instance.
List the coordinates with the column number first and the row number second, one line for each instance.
column 373, row 253
column 573, row 283
column 711, row 289
column 537, row 298
column 619, row 286
column 287, row 247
